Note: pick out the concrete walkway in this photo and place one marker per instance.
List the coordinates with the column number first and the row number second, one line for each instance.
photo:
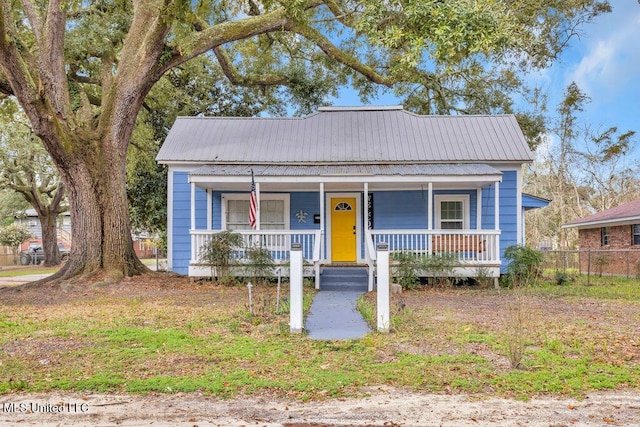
column 21, row 280
column 333, row 314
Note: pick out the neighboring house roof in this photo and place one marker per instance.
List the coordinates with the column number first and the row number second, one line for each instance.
column 346, row 135
column 529, row 201
column 32, row 213
column 627, row 213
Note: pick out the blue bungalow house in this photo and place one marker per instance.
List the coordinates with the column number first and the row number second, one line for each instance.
column 346, row 178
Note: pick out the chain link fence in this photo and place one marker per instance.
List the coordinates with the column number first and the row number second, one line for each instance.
column 593, row 262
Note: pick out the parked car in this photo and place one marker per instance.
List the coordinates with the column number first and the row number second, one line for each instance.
column 35, row 254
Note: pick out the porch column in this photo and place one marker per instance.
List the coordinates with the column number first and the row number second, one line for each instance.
column 194, row 249
column 497, row 225
column 322, row 222
column 430, row 217
column 209, row 209
column 479, row 208
column 497, row 205
column 430, row 207
column 366, row 206
column 257, row 206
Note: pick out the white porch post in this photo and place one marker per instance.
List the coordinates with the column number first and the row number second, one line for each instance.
column 194, row 249
column 429, row 216
column 366, row 206
column 209, row 209
column 497, row 205
column 322, row 240
column 258, row 206
column 479, row 209
column 430, row 207
column 497, row 224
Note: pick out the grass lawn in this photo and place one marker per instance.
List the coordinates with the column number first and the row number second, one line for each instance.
column 164, row 334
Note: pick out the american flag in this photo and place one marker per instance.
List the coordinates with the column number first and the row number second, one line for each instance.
column 253, row 205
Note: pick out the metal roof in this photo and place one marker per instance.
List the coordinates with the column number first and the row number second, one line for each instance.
column 346, row 135
column 467, row 169
column 629, row 211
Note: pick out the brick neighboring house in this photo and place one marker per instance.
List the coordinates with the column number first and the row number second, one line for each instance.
column 614, row 237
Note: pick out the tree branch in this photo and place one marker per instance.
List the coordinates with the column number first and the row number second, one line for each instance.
column 235, row 78
column 34, row 18
column 226, row 32
column 343, row 57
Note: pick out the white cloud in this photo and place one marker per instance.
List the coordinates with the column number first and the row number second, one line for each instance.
column 612, row 58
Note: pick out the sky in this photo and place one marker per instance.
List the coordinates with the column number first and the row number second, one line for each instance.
column 605, row 63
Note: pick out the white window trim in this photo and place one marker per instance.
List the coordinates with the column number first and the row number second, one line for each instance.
column 263, row 197
column 464, row 198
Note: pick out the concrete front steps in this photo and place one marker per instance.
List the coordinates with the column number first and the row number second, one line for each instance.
column 333, row 314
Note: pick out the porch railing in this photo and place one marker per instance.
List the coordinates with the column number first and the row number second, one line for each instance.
column 468, row 245
column 277, row 242
column 471, row 247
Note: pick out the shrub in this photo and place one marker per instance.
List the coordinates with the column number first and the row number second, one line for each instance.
column 524, row 263
column 562, row 278
column 261, row 265
column 405, row 269
column 218, row 252
column 440, row 267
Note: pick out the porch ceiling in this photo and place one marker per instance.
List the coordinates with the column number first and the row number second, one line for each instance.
column 346, row 177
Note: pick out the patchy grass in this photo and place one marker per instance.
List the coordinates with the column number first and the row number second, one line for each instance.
column 163, row 334
column 606, row 287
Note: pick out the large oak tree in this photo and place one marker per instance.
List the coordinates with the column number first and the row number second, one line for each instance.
column 81, row 71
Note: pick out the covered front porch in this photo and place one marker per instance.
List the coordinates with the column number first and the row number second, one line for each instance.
column 340, row 213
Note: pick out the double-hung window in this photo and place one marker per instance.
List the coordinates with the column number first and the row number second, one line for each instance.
column 635, row 234
column 274, row 212
column 452, row 212
column 605, row 236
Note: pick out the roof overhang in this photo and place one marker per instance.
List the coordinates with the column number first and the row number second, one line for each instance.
column 380, row 176
column 530, row 201
column 605, row 223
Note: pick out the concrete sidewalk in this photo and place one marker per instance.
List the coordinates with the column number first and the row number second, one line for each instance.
column 20, row 280
column 333, row 314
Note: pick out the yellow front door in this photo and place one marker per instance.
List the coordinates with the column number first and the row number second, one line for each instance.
column 343, row 229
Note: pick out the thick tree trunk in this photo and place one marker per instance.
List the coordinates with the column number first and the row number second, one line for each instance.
column 49, row 238
column 101, row 231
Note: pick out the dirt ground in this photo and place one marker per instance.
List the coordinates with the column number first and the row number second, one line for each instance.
column 384, row 407
column 381, row 406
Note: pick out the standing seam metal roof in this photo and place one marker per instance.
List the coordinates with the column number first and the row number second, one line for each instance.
column 346, row 136
column 433, row 169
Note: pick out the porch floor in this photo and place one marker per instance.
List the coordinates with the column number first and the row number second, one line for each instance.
column 333, row 314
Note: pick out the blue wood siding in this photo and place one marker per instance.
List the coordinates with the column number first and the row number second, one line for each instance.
column 408, row 209
column 400, row 209
column 308, row 203
column 508, row 211
column 216, row 215
column 181, row 216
